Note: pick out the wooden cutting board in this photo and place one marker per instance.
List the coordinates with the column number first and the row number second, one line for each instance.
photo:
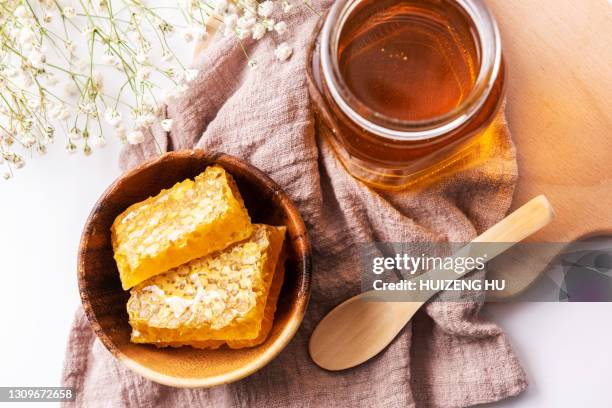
column 559, row 90
column 558, row 55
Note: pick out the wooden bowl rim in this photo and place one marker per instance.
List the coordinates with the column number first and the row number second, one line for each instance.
column 296, row 315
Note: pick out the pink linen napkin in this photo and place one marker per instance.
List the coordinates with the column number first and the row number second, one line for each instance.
column 448, row 356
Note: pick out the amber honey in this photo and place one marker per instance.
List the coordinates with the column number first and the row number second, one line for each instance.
column 408, row 60
column 406, row 84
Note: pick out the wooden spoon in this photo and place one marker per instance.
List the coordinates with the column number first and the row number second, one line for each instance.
column 359, row 328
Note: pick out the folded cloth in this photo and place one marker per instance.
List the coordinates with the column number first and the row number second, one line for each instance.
column 448, row 356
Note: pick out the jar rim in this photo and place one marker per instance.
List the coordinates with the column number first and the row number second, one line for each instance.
column 489, row 44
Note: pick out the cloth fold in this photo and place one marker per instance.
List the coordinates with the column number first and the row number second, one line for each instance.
column 448, row 356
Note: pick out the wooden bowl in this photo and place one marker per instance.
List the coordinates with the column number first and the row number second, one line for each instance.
column 105, row 301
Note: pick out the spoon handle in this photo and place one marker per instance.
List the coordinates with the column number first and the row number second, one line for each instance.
column 517, row 226
column 359, row 328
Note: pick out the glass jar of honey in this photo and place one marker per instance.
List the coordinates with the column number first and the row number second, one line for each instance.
column 406, row 86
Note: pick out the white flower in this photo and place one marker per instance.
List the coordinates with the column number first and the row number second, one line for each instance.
column 265, row 9
column 28, row 140
column 87, row 108
column 74, row 134
column 48, row 17
column 242, row 33
column 283, row 51
column 187, row 34
column 26, row 36
column 143, row 73
column 190, row 74
column 135, row 137
column 145, row 120
column 287, row 6
column 269, row 24
column 36, row 58
column 69, row 12
column 98, row 141
column 120, row 132
column 71, row 89
column 71, row 47
column 280, row 27
column 166, row 124
column 112, row 117
column 246, row 22
column 20, row 12
column 230, row 21
column 258, row 31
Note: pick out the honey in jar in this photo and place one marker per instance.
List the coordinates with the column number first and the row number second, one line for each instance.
column 406, row 85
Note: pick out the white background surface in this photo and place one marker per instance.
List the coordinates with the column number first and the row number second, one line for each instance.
column 565, row 348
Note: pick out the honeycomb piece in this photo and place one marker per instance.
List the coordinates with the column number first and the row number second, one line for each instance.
column 221, row 296
column 192, row 219
column 266, row 324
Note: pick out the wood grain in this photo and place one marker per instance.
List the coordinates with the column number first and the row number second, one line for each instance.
column 559, row 86
column 104, row 300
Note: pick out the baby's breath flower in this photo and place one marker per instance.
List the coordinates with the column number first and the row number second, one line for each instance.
column 283, row 51
column 120, row 132
column 135, row 137
column 75, row 134
column 280, row 27
column 69, row 12
column 230, row 21
column 258, row 31
column 266, row 8
column 191, row 74
column 286, row 6
column 112, row 117
column 26, row 36
column 144, row 121
column 166, row 124
column 269, row 24
column 21, row 12
column 246, row 23
column 70, row 47
column 123, row 40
